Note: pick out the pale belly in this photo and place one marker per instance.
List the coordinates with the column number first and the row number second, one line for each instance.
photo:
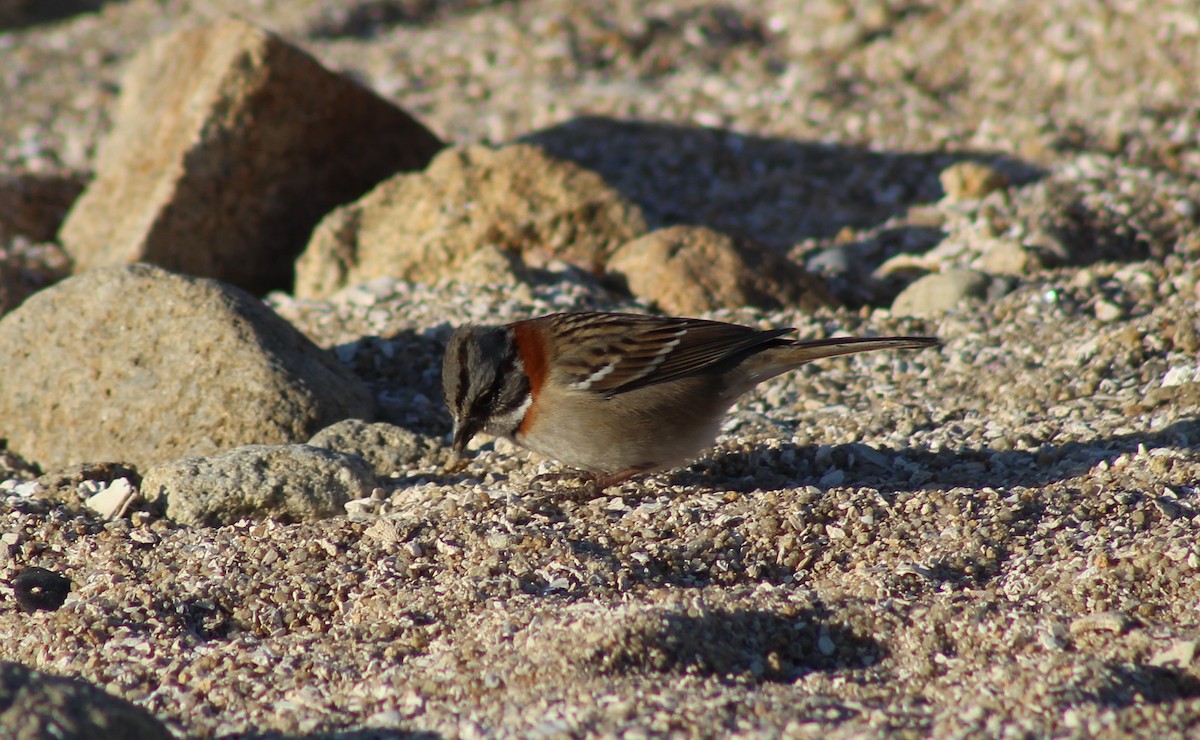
column 646, row 429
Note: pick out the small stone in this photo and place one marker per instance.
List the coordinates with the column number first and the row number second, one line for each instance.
column 1085, row 279
column 1107, row 311
column 387, row 532
column 1114, row 622
column 905, row 266
column 144, row 537
column 1179, row 654
column 1007, row 257
column 114, row 499
column 26, row 489
column 363, row 508
column 388, row 448
column 284, row 482
column 40, row 589
column 833, row 478
column 970, row 181
column 834, row 261
column 940, row 292
column 1181, row 375
column 825, row 644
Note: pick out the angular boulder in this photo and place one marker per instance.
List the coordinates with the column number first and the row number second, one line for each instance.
column 228, row 146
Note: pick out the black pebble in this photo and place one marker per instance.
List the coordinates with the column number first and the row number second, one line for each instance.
column 38, row 588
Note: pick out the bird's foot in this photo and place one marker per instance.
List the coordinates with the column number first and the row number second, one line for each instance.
column 592, row 485
column 550, row 485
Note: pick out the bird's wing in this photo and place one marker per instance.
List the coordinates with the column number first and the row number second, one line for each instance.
column 609, row 353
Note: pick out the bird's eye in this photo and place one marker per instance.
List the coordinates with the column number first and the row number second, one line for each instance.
column 483, row 402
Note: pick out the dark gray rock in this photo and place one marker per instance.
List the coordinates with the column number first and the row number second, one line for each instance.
column 36, row 705
column 40, row 589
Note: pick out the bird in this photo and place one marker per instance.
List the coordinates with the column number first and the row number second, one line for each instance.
column 616, row 395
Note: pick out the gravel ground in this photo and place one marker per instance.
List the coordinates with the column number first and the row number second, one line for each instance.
column 997, row 537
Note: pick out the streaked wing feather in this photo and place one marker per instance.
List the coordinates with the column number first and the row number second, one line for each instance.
column 651, row 349
column 710, row 344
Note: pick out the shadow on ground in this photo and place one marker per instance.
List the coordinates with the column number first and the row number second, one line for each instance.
column 742, row 644
column 920, row 469
column 771, row 189
column 1129, row 685
column 368, row 734
column 35, row 13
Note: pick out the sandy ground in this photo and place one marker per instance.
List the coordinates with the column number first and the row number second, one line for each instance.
column 994, row 538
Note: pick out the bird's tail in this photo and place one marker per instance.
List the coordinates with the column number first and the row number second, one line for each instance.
column 800, row 353
column 790, row 355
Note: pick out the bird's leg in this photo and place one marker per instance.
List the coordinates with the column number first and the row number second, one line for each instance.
column 558, row 477
column 538, row 485
column 594, row 484
column 601, row 482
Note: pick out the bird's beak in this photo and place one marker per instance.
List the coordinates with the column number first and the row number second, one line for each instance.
column 462, row 435
column 463, row 432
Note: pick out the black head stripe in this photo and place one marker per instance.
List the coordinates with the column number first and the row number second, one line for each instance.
column 462, row 356
column 488, row 403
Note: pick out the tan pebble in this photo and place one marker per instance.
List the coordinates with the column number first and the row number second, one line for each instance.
column 1114, row 622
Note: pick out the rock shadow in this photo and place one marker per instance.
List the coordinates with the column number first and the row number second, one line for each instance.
column 921, row 469
column 404, row 372
column 47, row 12
column 1129, row 685
column 367, row 19
column 373, row 733
column 777, row 191
column 735, row 644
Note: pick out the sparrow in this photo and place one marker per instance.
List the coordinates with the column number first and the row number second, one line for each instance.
column 618, row 394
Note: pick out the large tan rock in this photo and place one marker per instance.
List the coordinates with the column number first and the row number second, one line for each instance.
column 140, row 365
column 229, row 145
column 426, row 226
column 690, row 270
